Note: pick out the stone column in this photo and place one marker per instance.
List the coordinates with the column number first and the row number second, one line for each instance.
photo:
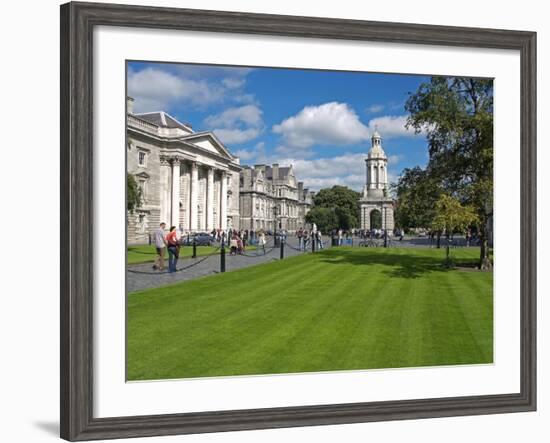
column 210, row 200
column 164, row 190
column 223, row 200
column 193, row 200
column 174, row 219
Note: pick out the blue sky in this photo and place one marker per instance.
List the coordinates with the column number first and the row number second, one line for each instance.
column 319, row 121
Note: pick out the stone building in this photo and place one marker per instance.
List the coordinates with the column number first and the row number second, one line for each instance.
column 271, row 198
column 376, row 202
column 188, row 179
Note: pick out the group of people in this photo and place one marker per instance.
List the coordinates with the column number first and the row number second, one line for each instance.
column 238, row 240
column 168, row 241
column 306, row 236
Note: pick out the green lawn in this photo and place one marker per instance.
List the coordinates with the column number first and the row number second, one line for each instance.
column 338, row 309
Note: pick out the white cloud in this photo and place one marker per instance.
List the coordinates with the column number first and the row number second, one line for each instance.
column 347, row 170
column 237, row 125
column 395, row 158
column 165, row 86
column 247, row 114
column 233, row 83
column 237, row 136
column 373, row 109
column 331, row 123
column 257, row 153
column 155, row 90
column 391, row 126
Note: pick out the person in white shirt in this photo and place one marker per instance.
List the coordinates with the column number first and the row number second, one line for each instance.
column 160, row 245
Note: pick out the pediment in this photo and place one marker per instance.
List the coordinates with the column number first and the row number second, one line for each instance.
column 142, row 174
column 209, row 142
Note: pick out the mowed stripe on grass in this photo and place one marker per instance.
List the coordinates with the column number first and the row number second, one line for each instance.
column 338, row 309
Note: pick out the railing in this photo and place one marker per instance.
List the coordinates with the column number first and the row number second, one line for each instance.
column 142, row 124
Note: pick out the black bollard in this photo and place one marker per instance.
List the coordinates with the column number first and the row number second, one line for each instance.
column 194, row 248
column 282, row 249
column 222, row 255
column 312, row 243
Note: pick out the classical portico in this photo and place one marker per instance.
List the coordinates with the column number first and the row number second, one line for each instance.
column 376, row 204
column 187, row 179
column 191, row 195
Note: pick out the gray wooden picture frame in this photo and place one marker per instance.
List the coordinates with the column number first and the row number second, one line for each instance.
column 77, row 24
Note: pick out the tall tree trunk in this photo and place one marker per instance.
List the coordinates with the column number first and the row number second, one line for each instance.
column 438, row 240
column 484, row 260
column 447, row 251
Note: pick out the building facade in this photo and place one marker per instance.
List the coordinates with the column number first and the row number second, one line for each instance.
column 187, row 179
column 376, row 202
column 271, row 198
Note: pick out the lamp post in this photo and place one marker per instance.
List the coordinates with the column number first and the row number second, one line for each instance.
column 275, row 212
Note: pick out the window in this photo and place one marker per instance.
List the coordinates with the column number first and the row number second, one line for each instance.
column 142, row 158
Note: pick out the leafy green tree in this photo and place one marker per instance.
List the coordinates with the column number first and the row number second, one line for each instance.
column 133, row 193
column 451, row 216
column 457, row 116
column 325, row 218
column 416, row 192
column 343, row 201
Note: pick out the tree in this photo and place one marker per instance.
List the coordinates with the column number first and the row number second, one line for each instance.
column 325, row 218
column 456, row 114
column 416, row 192
column 451, row 216
column 343, row 201
column 133, row 193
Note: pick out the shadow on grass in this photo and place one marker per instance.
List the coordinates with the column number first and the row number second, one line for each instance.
column 402, row 264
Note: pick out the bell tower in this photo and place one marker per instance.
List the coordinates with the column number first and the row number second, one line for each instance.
column 375, row 198
column 377, row 164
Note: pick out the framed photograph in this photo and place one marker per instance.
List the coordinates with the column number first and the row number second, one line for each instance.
column 273, row 221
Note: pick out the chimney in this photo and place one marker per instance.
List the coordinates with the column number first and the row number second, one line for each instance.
column 129, row 105
column 275, row 169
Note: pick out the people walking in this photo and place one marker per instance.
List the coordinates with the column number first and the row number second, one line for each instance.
column 160, row 245
column 233, row 245
column 320, row 240
column 306, row 240
column 261, row 241
column 300, row 235
column 173, row 249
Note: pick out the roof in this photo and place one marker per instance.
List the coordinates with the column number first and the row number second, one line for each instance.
column 164, row 120
column 376, row 152
column 283, row 173
column 267, row 171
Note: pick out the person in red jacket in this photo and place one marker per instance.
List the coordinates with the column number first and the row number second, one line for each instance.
column 173, row 249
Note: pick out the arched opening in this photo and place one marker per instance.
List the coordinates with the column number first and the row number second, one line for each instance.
column 375, row 219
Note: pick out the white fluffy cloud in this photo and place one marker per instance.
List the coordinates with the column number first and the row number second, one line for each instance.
column 257, row 153
column 236, row 136
column 390, row 126
column 237, row 125
column 155, row 90
column 347, row 170
column 327, row 124
column 162, row 87
column 373, row 109
column 248, row 114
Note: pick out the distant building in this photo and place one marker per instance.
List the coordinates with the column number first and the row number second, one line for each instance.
column 187, row 179
column 376, row 200
column 271, row 198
